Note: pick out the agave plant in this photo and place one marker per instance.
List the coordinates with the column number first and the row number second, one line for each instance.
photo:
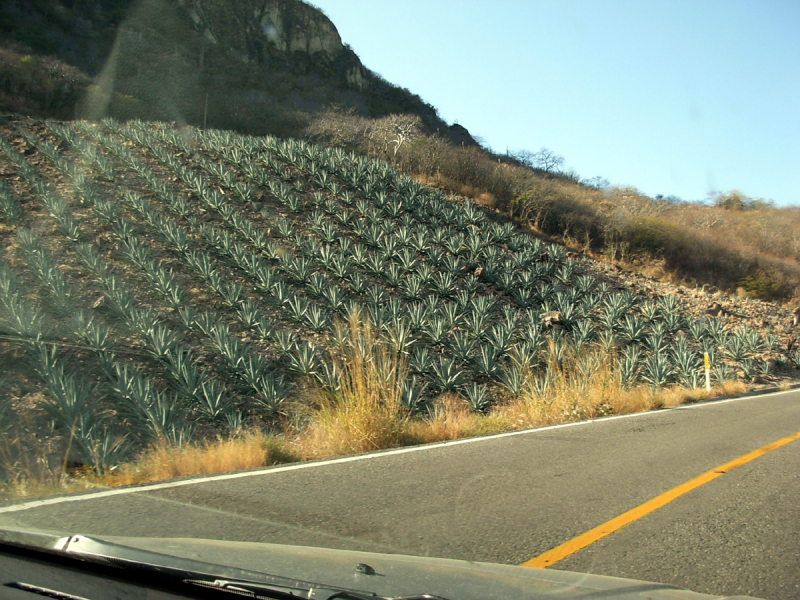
column 340, row 267
column 766, row 367
column 297, row 307
column 421, row 361
column 317, row 284
column 771, row 342
column 412, row 396
column 434, row 330
column 669, row 305
column 486, row 361
column 697, row 330
column 631, row 366
column 228, row 347
column 722, row 372
column 68, row 400
column 752, row 341
column 443, row 283
column 684, row 358
column 446, row 375
column 500, row 335
column 505, row 282
column 231, row 294
column 477, row 397
column 611, row 317
column 359, row 255
column 398, row 336
column 393, row 275
column 522, row 297
column 655, row 341
column 583, row 332
column 212, row 401
column 657, row 370
column 606, row 339
column 749, row 368
column 271, row 395
column 161, row 341
column 632, row 329
column 316, row 318
column 304, row 360
column 9, row 207
column 716, row 330
column 735, row 348
column 673, row 321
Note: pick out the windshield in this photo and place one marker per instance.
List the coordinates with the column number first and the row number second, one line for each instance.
column 253, row 291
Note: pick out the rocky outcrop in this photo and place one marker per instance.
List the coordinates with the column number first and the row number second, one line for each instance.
column 251, row 29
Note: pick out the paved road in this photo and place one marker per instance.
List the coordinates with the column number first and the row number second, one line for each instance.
column 509, row 498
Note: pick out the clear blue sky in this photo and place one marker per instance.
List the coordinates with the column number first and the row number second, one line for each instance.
column 673, row 97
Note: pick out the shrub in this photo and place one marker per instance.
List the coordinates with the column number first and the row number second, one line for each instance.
column 762, row 285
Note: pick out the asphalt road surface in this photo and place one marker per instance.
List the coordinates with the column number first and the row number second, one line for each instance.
column 509, row 498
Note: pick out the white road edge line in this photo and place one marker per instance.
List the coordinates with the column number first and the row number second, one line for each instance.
column 356, row 458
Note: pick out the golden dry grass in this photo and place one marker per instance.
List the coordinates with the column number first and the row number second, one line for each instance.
column 586, row 387
column 366, row 413
column 249, row 451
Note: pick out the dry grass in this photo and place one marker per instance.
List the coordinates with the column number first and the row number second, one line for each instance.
column 586, row 387
column 366, row 413
column 249, row 451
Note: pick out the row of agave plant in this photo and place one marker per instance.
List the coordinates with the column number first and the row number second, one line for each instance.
column 313, row 235
column 151, row 409
column 245, row 363
column 523, row 274
column 632, row 329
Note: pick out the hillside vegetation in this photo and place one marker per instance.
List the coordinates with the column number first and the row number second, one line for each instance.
column 160, row 286
column 733, row 242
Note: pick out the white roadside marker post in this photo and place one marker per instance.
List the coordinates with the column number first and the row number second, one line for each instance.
column 708, row 372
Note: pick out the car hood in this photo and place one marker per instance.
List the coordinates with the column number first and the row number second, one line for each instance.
column 386, row 575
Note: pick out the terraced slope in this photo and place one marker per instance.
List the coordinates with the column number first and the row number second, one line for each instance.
column 180, row 284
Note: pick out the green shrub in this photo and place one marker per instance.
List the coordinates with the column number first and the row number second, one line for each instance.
column 763, row 285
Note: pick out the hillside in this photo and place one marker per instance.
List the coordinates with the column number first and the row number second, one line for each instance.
column 279, row 67
column 175, row 285
column 255, row 67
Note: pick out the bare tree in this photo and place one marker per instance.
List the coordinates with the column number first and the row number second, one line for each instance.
column 544, row 160
column 406, row 128
column 548, row 161
column 706, row 220
column 389, row 134
column 634, row 202
column 598, row 182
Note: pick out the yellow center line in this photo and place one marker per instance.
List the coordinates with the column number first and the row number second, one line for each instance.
column 585, row 539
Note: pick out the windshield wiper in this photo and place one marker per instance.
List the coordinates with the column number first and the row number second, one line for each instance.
column 258, row 589
column 218, row 577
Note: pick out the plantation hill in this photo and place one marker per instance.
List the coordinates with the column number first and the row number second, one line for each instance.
column 161, row 286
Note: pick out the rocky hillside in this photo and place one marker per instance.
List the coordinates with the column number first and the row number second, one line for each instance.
column 255, row 66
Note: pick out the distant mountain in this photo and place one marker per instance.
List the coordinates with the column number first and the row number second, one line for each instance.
column 260, row 66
